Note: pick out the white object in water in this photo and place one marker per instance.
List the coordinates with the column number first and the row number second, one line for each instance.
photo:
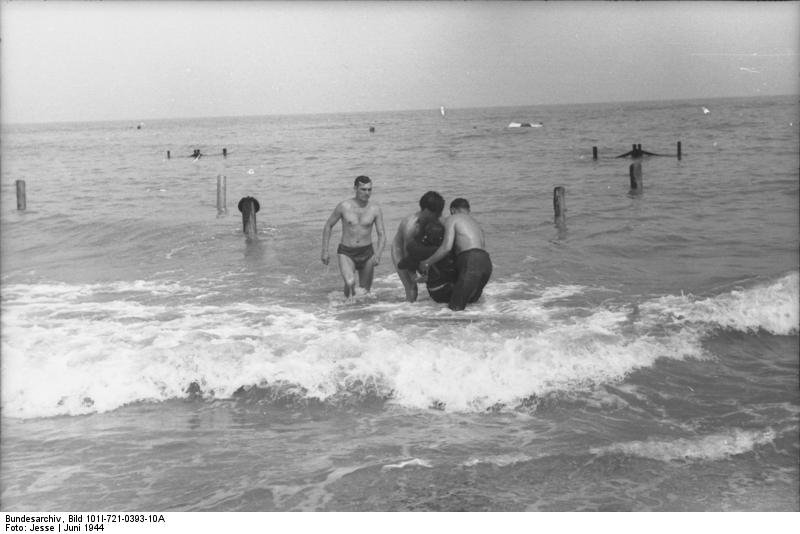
column 706, row 111
column 525, row 125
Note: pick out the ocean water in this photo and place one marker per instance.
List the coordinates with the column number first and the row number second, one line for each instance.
column 641, row 357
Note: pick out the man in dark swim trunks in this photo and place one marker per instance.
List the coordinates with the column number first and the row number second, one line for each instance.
column 442, row 275
column 356, row 253
column 464, row 236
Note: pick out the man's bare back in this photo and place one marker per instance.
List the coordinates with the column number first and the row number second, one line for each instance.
column 467, row 233
column 464, row 236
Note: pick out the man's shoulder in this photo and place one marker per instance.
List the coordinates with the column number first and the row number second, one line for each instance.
column 344, row 204
column 463, row 217
column 411, row 218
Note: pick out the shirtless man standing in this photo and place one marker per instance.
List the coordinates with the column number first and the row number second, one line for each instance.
column 431, row 205
column 465, row 237
column 355, row 252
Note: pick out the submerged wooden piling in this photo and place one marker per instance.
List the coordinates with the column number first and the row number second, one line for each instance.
column 22, row 202
column 636, row 176
column 168, row 155
column 559, row 205
column 224, row 152
column 249, row 206
column 221, row 195
column 594, row 152
column 679, row 150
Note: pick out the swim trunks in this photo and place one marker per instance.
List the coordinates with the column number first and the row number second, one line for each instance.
column 474, row 269
column 440, row 280
column 359, row 255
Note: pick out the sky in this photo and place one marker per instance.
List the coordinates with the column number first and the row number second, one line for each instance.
column 137, row 60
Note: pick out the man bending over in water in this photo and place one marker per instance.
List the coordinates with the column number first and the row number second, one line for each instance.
column 464, row 236
column 441, row 276
column 431, row 205
column 355, row 252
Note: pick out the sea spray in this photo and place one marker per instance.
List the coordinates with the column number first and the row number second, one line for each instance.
column 108, row 345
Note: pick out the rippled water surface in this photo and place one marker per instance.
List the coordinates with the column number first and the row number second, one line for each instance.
column 643, row 356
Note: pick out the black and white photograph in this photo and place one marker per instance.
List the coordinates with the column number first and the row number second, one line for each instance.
column 365, row 256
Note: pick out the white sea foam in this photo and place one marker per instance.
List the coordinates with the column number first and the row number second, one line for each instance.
column 500, row 460
column 71, row 349
column 711, row 447
column 414, row 462
column 772, row 307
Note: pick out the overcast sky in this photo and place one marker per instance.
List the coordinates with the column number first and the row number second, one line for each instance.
column 86, row 61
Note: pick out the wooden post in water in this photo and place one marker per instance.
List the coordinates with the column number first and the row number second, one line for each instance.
column 636, row 176
column 221, row 200
column 168, row 155
column 679, row 150
column 22, row 202
column 249, row 207
column 594, row 152
column 224, row 152
column 559, row 205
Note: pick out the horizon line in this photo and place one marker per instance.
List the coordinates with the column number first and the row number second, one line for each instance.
column 140, row 121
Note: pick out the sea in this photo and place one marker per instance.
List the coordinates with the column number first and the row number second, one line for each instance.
column 640, row 355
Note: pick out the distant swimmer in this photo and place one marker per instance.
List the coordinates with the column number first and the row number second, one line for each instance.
column 431, row 206
column 356, row 253
column 464, row 236
column 441, row 276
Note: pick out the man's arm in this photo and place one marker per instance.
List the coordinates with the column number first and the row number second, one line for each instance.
column 445, row 247
column 379, row 229
column 326, row 232
column 398, row 244
column 416, row 252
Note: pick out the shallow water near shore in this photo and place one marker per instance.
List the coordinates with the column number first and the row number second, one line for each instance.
column 643, row 357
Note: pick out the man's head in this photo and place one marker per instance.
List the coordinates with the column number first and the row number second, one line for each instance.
column 363, row 188
column 433, row 202
column 459, row 205
column 361, row 180
column 433, row 234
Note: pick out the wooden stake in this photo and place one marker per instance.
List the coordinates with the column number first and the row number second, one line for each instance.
column 636, row 176
column 594, row 152
column 679, row 150
column 221, row 195
column 559, row 205
column 249, row 207
column 22, row 202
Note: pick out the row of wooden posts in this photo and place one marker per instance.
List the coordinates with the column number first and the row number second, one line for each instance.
column 560, row 193
column 249, row 206
column 637, row 152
